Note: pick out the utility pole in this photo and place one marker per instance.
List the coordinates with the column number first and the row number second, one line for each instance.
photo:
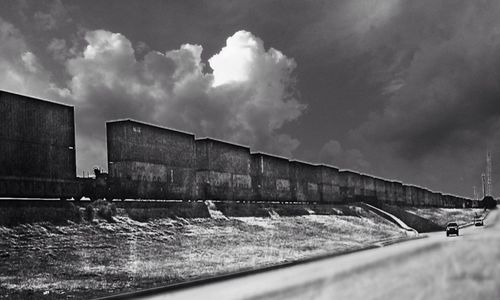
column 476, row 196
column 483, row 182
column 488, row 174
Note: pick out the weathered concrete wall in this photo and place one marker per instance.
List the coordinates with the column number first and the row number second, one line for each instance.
column 398, row 193
column 348, row 185
column 427, row 198
column 130, row 140
column 369, row 186
column 437, row 199
column 149, row 162
column 447, row 201
column 223, row 171
column 407, row 195
column 21, row 212
column 390, row 192
column 270, row 178
column 420, row 197
column 145, row 211
column 151, row 181
column 359, row 188
column 329, row 184
column 346, row 193
column 38, row 187
column 380, row 189
column 37, row 138
column 414, row 195
column 304, row 182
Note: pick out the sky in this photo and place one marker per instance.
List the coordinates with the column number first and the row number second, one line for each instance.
column 404, row 90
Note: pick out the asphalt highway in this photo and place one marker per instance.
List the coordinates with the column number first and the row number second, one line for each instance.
column 436, row 267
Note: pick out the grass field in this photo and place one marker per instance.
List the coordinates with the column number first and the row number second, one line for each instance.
column 45, row 261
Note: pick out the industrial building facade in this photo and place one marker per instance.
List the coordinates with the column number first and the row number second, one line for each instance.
column 146, row 161
column 223, row 170
column 37, row 147
column 37, row 159
column 37, row 138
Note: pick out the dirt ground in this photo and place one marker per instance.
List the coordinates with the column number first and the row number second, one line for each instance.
column 91, row 259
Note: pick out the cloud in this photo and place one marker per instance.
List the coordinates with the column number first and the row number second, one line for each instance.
column 448, row 96
column 247, row 106
column 109, row 80
column 333, row 153
column 54, row 15
column 437, row 73
column 20, row 70
column 59, row 50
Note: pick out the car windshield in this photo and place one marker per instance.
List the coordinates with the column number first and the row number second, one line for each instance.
column 452, row 224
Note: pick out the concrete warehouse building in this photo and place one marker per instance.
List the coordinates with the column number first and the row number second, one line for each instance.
column 37, row 147
column 150, row 161
column 329, row 179
column 270, row 177
column 304, row 182
column 37, row 137
column 223, row 170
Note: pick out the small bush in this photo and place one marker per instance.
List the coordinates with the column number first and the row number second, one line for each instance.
column 101, row 209
column 89, row 213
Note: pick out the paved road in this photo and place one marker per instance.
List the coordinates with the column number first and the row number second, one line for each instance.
column 437, row 267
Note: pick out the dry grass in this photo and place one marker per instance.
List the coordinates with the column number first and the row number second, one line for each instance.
column 10, row 216
column 86, row 260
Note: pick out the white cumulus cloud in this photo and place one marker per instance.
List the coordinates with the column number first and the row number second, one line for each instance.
column 247, row 98
column 246, row 104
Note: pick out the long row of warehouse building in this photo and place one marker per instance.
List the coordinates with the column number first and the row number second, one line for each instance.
column 152, row 162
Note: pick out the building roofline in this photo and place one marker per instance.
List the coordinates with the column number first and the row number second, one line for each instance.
column 148, row 124
column 349, row 171
column 328, row 166
column 269, row 154
column 37, row 98
column 303, row 162
column 206, row 138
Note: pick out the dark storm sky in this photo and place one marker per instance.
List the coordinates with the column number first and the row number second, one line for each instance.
column 407, row 90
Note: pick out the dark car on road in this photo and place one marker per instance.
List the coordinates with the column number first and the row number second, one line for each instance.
column 478, row 221
column 451, row 228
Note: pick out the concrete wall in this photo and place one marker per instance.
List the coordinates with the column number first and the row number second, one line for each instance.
column 37, row 138
column 398, row 192
column 427, row 198
column 149, row 162
column 413, row 195
column 304, row 182
column 407, row 195
column 437, row 197
column 447, row 200
column 380, row 189
column 223, row 170
column 369, row 186
column 389, row 191
column 270, row 177
column 329, row 184
column 354, row 187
